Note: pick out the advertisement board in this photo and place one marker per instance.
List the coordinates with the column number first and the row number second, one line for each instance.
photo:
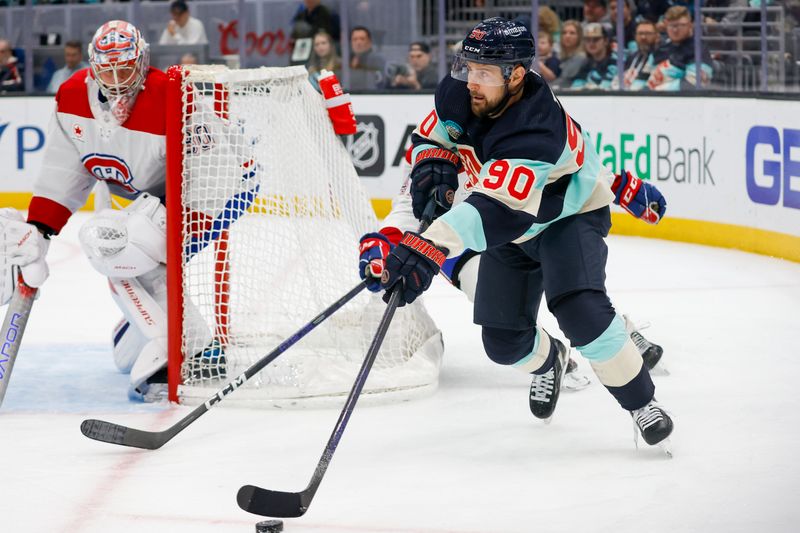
column 730, row 163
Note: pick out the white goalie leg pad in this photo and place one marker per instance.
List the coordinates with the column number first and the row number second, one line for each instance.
column 152, row 358
column 128, row 343
column 126, row 243
column 143, row 302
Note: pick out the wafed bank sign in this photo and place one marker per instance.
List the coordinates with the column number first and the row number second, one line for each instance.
column 366, row 147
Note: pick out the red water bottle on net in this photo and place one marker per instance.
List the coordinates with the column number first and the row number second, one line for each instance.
column 340, row 110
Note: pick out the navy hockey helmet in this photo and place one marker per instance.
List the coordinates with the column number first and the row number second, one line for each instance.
column 495, row 41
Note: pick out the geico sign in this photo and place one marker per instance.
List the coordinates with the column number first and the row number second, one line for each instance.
column 772, row 159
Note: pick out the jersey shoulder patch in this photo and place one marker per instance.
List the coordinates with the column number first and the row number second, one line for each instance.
column 453, row 106
column 72, row 96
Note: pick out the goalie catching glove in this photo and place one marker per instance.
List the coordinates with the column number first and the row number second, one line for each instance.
column 435, row 173
column 639, row 198
column 413, row 262
column 24, row 246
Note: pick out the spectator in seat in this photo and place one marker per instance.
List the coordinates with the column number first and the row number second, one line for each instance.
column 639, row 65
column 629, row 24
column 183, row 28
column 651, row 10
column 311, row 18
column 549, row 22
column 367, row 67
column 188, row 59
column 73, row 62
column 420, row 73
column 600, row 66
column 675, row 67
column 548, row 64
column 10, row 77
column 596, row 11
column 571, row 55
column 323, row 57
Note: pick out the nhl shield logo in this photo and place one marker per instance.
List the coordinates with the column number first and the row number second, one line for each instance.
column 366, row 146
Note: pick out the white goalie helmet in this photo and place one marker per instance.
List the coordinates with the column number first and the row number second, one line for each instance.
column 119, row 58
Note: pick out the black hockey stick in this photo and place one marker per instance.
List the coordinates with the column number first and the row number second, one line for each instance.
column 17, row 314
column 152, row 440
column 281, row 504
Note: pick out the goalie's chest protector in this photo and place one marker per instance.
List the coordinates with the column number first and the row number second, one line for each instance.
column 130, row 157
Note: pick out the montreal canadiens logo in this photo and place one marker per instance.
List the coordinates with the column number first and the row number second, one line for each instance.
column 111, row 169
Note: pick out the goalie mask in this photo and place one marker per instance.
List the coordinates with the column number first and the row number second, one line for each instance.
column 119, row 58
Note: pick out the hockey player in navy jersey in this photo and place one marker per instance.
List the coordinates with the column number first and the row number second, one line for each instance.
column 537, row 211
column 109, row 125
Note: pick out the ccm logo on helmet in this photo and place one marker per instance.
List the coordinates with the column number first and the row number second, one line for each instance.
column 471, row 49
column 110, row 168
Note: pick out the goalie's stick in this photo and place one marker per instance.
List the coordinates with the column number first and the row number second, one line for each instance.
column 19, row 309
column 281, row 504
column 152, row 440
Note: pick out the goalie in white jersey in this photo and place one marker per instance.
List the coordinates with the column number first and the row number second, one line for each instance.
column 109, row 125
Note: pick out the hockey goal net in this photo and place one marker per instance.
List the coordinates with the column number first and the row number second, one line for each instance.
column 264, row 215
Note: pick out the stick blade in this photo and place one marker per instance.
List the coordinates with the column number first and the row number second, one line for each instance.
column 272, row 503
column 124, row 436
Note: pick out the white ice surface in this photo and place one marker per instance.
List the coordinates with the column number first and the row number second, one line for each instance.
column 470, row 458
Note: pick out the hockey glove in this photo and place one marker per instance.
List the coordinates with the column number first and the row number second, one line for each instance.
column 639, row 198
column 435, row 173
column 374, row 248
column 24, row 246
column 414, row 262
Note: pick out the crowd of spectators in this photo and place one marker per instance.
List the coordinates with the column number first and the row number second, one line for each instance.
column 658, row 48
column 657, row 53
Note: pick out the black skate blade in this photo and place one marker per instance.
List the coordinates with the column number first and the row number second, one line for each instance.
column 273, row 503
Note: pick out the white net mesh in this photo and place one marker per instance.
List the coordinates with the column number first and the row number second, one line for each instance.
column 273, row 211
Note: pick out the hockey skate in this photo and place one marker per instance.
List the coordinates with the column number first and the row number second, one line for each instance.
column 575, row 380
column 156, row 389
column 655, row 425
column 651, row 353
column 545, row 388
column 209, row 364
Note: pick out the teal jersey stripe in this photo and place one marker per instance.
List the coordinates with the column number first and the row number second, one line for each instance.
column 608, row 344
column 528, row 357
column 581, row 186
column 466, row 222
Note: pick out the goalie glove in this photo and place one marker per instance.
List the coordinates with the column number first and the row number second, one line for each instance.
column 413, row 262
column 435, row 173
column 639, row 198
column 24, row 246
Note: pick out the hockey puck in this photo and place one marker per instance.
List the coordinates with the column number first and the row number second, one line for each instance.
column 269, row 526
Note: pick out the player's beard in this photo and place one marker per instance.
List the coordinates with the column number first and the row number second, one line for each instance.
column 482, row 107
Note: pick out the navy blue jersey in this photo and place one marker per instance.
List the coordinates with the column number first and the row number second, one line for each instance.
column 529, row 167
